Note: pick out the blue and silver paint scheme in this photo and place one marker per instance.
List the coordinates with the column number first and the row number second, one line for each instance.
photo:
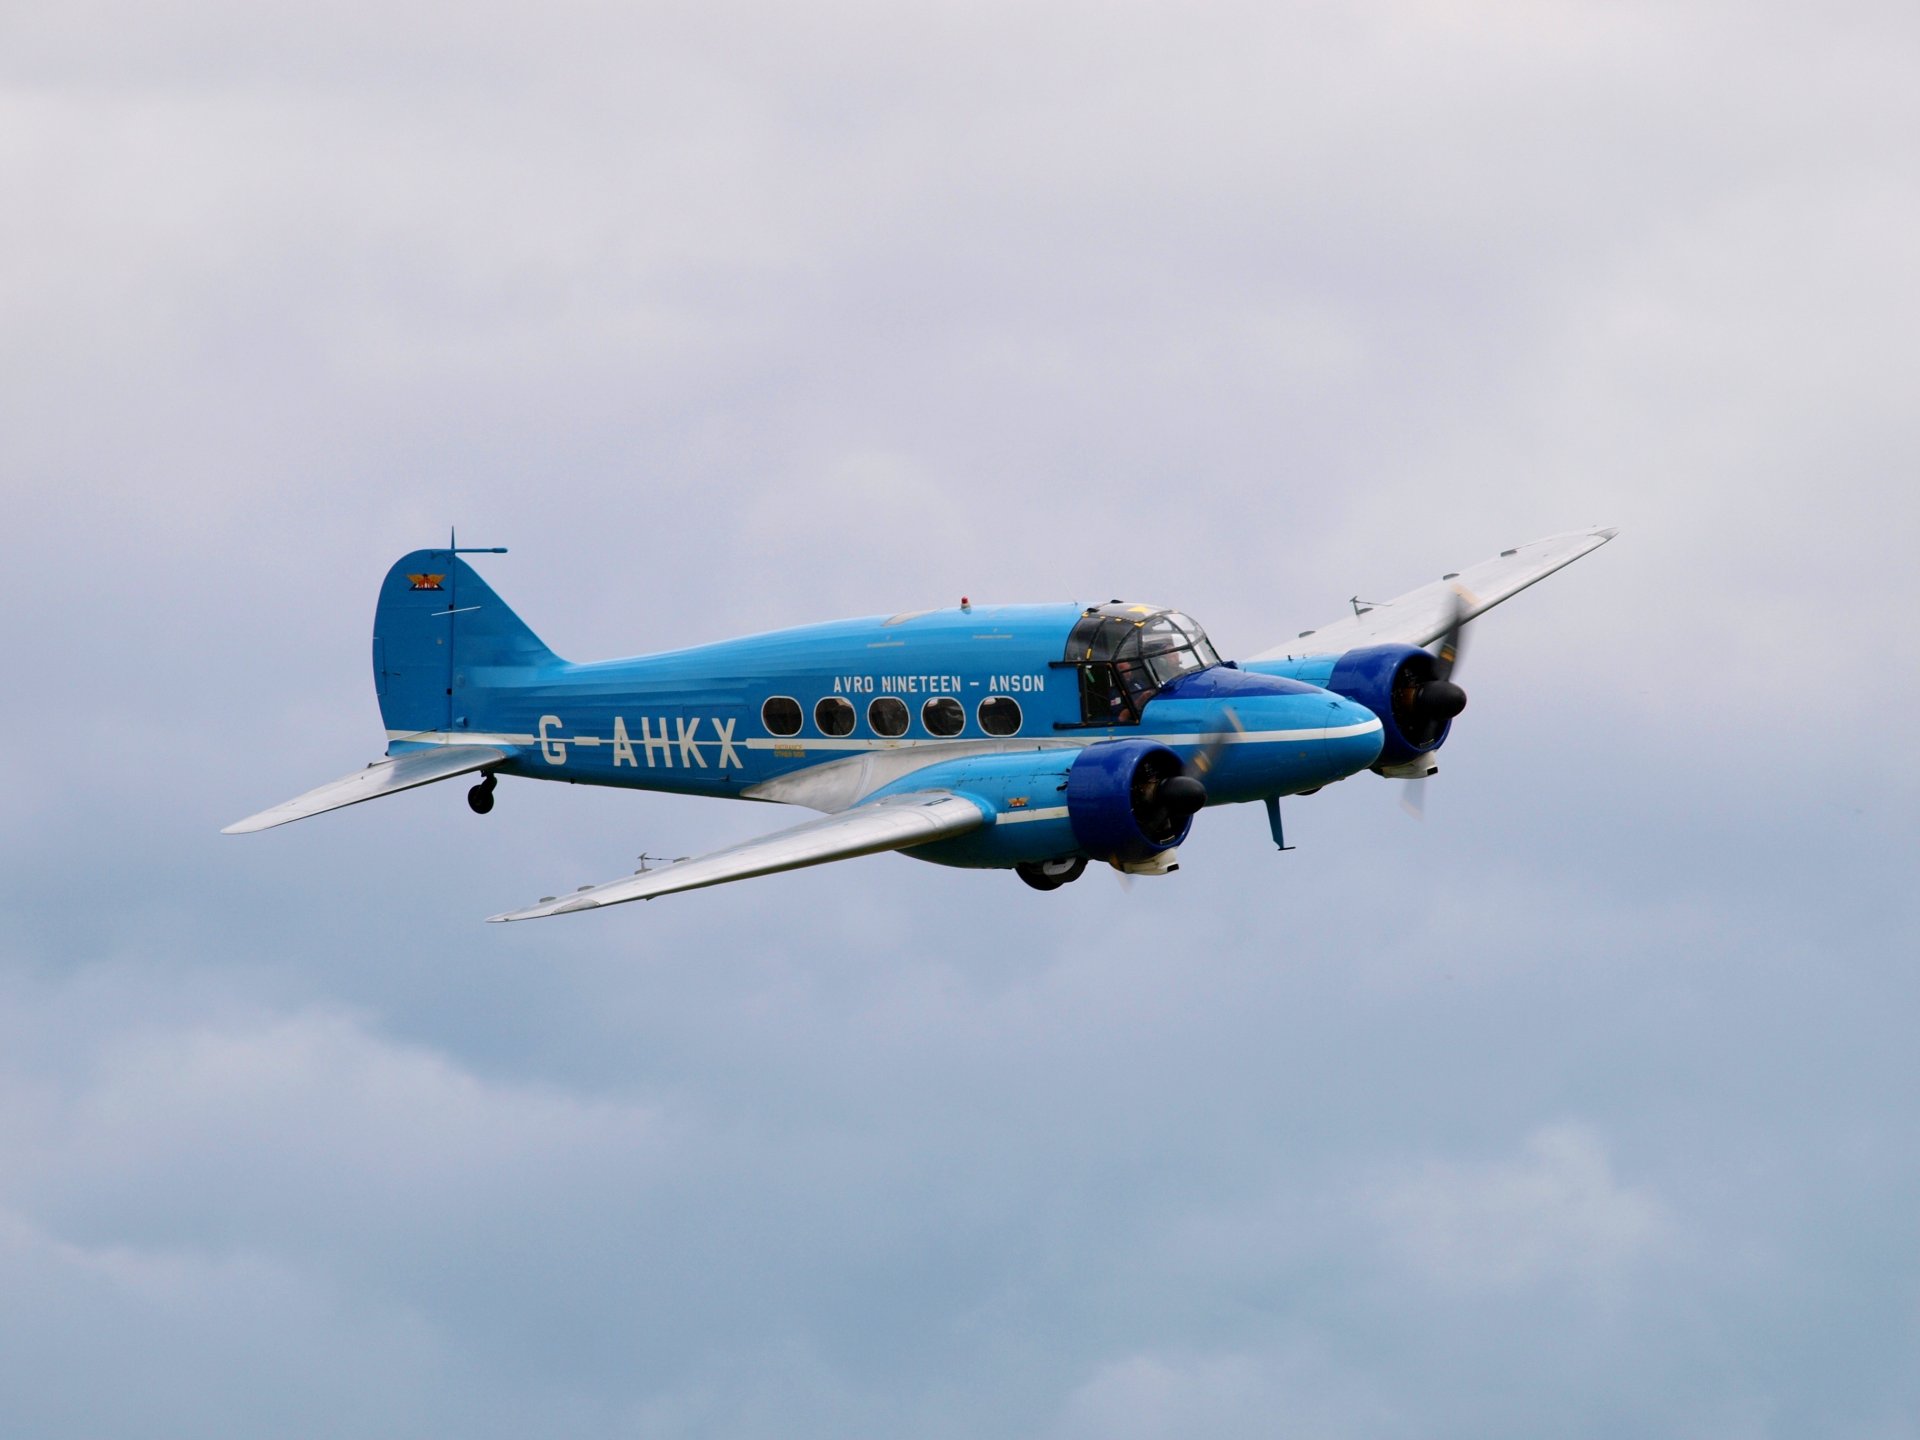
column 1034, row 736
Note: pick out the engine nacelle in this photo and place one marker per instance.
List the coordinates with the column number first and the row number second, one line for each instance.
column 1385, row 679
column 1113, row 801
column 1112, row 810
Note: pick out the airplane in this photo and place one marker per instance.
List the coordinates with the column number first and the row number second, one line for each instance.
column 1035, row 738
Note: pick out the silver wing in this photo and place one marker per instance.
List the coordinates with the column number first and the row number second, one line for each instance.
column 383, row 777
column 1422, row 616
column 895, row 823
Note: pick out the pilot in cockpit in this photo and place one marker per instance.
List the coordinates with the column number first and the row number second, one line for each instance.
column 1125, row 655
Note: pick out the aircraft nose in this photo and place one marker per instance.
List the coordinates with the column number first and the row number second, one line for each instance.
column 1353, row 736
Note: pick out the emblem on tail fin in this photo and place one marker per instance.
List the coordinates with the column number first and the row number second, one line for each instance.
column 425, row 582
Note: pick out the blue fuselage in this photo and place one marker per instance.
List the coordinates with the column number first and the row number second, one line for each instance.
column 966, row 690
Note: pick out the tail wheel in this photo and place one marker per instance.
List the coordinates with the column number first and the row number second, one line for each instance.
column 1051, row 874
column 480, row 797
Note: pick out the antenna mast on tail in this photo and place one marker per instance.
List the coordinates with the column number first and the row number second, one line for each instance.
column 453, row 546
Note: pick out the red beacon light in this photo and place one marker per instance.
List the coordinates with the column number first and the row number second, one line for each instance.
column 966, row 604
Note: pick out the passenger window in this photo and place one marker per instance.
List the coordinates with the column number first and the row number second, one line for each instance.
column 999, row 715
column 781, row 715
column 834, row 716
column 888, row 716
column 943, row 716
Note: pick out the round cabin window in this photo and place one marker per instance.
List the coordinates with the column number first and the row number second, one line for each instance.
column 999, row 715
column 834, row 716
column 781, row 715
column 888, row 716
column 943, row 716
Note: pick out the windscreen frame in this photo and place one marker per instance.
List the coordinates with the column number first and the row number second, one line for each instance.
column 1125, row 655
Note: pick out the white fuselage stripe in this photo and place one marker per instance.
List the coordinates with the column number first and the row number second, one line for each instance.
column 817, row 744
column 1235, row 737
column 459, row 737
column 1020, row 817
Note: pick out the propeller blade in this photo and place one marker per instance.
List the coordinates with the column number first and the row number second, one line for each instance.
column 1448, row 655
column 1438, row 700
column 1202, row 762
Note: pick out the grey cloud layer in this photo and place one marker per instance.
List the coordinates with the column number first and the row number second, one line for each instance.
column 1584, row 1107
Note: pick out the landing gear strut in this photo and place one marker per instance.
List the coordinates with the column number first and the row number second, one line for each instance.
column 480, row 797
column 1051, row 874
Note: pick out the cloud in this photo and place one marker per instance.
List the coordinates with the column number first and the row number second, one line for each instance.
column 726, row 317
column 1555, row 1215
column 118, row 1339
column 229, row 1133
column 1294, row 1392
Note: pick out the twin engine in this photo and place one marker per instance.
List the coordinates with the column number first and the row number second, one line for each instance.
column 1406, row 687
column 1122, row 801
column 1118, row 804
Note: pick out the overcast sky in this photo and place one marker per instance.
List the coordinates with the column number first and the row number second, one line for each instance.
column 1586, row 1106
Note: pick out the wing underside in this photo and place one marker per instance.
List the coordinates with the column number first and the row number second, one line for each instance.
column 1421, row 616
column 383, row 777
column 895, row 823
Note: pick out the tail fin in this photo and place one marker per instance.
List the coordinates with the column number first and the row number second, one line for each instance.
column 441, row 639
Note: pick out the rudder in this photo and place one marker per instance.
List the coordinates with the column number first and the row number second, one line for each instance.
column 441, row 639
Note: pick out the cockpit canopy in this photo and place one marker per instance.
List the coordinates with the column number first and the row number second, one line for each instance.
column 1126, row 653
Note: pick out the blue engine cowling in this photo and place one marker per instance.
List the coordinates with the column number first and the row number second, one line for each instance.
column 1111, row 808
column 1112, row 801
column 1385, row 678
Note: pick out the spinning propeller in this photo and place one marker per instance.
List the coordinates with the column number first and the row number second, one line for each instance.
column 1431, row 703
column 1164, row 801
column 1181, row 795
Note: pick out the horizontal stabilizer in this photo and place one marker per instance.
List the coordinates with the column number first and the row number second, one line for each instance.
column 383, row 777
column 894, row 823
column 1422, row 616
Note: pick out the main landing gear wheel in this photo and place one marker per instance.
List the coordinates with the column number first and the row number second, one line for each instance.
column 480, row 797
column 1051, row 874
